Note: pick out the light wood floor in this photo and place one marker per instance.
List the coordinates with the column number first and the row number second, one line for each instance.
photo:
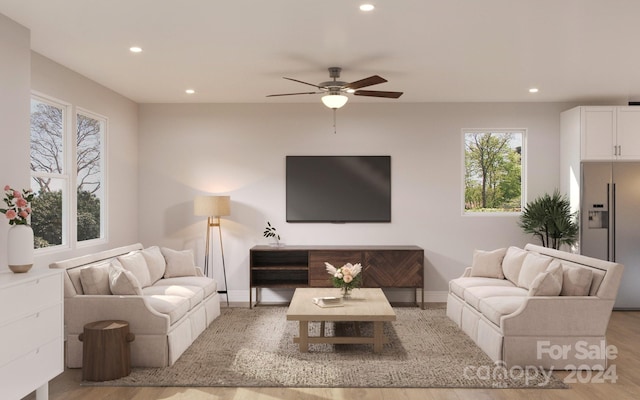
column 624, row 332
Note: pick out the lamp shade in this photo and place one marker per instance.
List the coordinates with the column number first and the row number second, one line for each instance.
column 334, row 100
column 212, row 206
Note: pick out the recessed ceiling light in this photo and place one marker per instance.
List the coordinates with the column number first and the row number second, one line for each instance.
column 533, row 90
column 189, row 91
column 135, row 49
column 366, row 7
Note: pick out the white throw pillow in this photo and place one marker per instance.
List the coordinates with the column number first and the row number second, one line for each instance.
column 155, row 262
column 136, row 263
column 512, row 263
column 532, row 265
column 488, row 264
column 576, row 281
column 179, row 263
column 95, row 279
column 548, row 283
column 123, row 282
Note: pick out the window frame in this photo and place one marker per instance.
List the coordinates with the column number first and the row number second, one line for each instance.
column 523, row 171
column 70, row 176
column 103, row 179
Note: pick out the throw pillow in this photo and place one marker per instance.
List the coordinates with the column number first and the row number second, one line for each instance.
column 576, row 281
column 95, row 279
column 155, row 262
column 548, row 283
column 136, row 263
column 512, row 263
column 123, row 282
column 532, row 265
column 179, row 263
column 488, row 264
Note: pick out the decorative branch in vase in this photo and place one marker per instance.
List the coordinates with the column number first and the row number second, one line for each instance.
column 270, row 232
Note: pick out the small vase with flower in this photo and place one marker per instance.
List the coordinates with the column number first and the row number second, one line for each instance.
column 346, row 278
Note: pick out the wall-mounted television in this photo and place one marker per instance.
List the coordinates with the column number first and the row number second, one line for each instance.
column 338, row 189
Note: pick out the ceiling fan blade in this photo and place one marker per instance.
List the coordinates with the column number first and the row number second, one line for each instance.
column 306, row 83
column 377, row 93
column 291, row 94
column 372, row 80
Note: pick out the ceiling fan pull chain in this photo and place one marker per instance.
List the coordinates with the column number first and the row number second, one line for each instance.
column 334, row 121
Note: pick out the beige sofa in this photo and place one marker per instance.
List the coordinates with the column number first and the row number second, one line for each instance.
column 537, row 306
column 165, row 299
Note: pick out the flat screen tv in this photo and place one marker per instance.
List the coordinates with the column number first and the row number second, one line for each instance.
column 338, row 189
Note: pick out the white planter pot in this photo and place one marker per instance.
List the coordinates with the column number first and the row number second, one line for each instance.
column 20, row 248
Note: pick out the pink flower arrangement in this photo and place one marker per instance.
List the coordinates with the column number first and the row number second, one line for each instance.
column 18, row 210
column 346, row 277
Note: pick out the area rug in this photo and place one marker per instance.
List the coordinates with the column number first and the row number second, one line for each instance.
column 254, row 347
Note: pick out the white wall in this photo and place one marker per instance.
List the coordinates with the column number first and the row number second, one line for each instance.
column 240, row 150
column 14, row 114
column 54, row 80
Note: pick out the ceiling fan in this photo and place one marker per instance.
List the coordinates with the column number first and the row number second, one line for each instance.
column 335, row 90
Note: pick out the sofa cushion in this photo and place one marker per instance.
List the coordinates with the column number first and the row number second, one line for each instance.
column 474, row 295
column 137, row 265
column 179, row 263
column 95, row 279
column 123, row 282
column 156, row 263
column 459, row 285
column 192, row 293
column 175, row 307
column 208, row 285
column 488, row 263
column 494, row 308
column 548, row 283
column 512, row 263
column 576, row 281
column 532, row 265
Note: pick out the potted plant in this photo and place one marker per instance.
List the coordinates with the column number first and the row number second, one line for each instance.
column 549, row 218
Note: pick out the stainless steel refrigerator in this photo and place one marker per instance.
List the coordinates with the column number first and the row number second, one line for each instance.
column 610, row 221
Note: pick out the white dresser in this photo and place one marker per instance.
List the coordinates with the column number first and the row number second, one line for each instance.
column 31, row 332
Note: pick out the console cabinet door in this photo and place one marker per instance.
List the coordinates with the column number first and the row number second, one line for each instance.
column 398, row 268
column 318, row 276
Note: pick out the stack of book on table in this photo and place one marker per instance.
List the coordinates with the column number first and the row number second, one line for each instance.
column 328, row 301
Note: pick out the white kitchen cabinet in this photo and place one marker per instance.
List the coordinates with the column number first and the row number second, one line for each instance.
column 609, row 133
column 628, row 133
column 31, row 332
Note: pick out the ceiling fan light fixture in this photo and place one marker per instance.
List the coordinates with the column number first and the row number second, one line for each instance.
column 334, row 100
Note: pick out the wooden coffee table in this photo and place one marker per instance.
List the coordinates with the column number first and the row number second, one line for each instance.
column 364, row 305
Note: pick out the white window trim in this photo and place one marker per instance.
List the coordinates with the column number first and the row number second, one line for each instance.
column 523, row 172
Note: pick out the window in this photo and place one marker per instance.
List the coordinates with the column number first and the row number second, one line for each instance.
column 493, row 171
column 89, row 177
column 61, row 159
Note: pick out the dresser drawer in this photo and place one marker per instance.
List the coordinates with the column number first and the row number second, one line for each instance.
column 27, row 334
column 25, row 374
column 29, row 296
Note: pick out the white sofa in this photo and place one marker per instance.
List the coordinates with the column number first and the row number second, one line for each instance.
column 165, row 299
column 537, row 306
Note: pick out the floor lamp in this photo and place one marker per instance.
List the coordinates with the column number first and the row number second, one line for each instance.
column 213, row 207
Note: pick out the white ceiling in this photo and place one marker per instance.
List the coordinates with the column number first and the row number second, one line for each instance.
column 433, row 50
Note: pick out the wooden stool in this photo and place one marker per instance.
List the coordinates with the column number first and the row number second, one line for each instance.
column 105, row 350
